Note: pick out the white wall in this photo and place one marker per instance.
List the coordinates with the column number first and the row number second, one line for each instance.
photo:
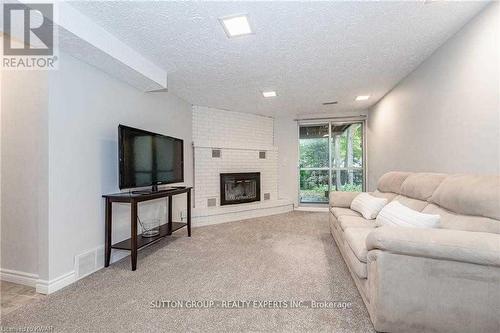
column 287, row 140
column 444, row 117
column 85, row 108
column 24, row 153
column 59, row 154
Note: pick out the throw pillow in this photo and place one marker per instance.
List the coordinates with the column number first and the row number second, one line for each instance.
column 368, row 205
column 396, row 214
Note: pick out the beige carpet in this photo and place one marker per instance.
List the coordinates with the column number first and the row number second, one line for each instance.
column 277, row 258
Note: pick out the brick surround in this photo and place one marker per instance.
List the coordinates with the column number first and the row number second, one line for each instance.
column 240, row 137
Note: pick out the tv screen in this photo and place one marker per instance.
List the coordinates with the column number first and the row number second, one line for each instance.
column 148, row 159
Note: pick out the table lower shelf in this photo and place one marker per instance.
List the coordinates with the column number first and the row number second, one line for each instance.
column 143, row 241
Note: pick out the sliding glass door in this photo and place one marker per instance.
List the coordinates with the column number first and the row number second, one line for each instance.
column 347, row 157
column 314, row 156
column 331, row 158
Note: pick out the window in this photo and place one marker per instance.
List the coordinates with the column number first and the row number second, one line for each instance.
column 331, row 158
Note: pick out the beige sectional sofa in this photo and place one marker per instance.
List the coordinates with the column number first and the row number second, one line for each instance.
column 427, row 280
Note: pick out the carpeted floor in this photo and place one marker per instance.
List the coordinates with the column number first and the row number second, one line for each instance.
column 276, row 258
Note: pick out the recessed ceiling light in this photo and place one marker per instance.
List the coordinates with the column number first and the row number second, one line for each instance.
column 236, row 25
column 362, row 97
column 269, row 93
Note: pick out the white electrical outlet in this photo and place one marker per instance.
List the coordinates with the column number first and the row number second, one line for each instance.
column 183, row 215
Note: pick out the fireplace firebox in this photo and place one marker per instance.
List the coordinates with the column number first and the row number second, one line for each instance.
column 236, row 188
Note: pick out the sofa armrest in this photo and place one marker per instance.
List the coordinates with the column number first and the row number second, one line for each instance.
column 464, row 246
column 342, row 199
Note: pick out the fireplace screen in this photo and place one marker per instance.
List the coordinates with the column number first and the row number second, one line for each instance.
column 239, row 188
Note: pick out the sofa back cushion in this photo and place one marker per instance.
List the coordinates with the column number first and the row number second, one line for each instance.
column 411, row 203
column 421, row 185
column 392, row 181
column 410, row 189
column 469, row 195
column 386, row 195
column 465, row 202
column 451, row 220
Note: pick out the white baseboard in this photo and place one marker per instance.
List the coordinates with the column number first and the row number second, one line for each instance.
column 32, row 280
column 48, row 287
column 27, row 279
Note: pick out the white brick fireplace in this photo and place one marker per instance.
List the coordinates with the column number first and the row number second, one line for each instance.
column 232, row 142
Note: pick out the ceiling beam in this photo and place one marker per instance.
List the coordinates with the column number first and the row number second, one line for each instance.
column 84, row 39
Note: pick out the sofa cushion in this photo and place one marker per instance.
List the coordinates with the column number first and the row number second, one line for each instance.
column 335, row 223
column 421, row 185
column 338, row 212
column 359, row 268
column 356, row 239
column 392, row 181
column 336, row 231
column 470, row 195
column 342, row 199
column 411, row 203
column 355, row 222
column 450, row 220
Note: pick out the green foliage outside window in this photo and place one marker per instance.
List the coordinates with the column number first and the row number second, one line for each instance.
column 314, row 154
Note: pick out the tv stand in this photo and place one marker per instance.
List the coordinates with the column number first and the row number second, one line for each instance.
column 136, row 242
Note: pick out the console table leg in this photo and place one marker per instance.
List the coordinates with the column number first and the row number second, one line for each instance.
column 169, row 215
column 133, row 231
column 107, row 236
column 189, row 212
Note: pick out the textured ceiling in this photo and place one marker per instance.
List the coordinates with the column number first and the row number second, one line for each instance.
column 309, row 52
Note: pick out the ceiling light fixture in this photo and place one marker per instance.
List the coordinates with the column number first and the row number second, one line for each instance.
column 235, row 26
column 269, row 94
column 362, row 98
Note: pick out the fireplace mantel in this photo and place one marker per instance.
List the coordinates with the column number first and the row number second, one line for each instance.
column 233, row 146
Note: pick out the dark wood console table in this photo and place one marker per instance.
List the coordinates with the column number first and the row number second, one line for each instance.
column 136, row 242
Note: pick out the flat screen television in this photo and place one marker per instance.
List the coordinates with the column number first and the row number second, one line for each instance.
column 149, row 159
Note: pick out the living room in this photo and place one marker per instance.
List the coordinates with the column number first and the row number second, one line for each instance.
column 328, row 166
